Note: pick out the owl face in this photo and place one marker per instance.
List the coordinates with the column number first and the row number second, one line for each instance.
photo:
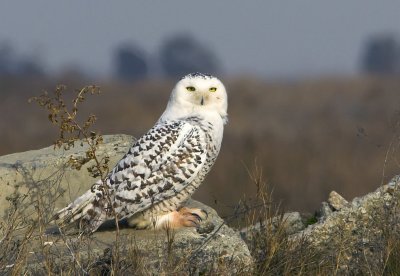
column 201, row 91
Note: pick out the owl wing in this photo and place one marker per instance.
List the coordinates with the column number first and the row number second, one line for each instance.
column 158, row 166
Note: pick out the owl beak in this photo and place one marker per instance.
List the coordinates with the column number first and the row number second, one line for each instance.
column 202, row 100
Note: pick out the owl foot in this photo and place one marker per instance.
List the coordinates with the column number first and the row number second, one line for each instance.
column 184, row 217
column 190, row 217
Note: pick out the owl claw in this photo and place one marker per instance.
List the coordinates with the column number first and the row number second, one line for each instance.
column 205, row 212
column 194, row 222
column 191, row 217
column 203, row 216
column 198, row 218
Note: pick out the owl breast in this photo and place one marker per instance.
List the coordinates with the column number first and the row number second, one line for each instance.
column 213, row 138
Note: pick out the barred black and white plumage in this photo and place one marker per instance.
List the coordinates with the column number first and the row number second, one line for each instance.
column 165, row 166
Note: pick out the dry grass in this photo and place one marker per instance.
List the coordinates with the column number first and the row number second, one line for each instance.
column 371, row 249
column 27, row 249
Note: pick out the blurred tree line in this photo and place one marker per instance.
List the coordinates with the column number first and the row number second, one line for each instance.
column 11, row 64
column 178, row 55
column 381, row 55
column 182, row 53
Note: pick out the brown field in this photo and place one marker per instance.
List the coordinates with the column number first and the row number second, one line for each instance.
column 309, row 137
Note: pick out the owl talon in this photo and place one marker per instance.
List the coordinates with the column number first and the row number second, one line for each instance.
column 191, row 217
column 198, row 218
column 205, row 212
column 195, row 222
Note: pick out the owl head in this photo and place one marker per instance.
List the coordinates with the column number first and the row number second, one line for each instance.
column 199, row 93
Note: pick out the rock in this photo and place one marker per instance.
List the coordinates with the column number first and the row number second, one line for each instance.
column 336, row 201
column 360, row 230
column 215, row 249
column 324, row 212
column 39, row 180
column 44, row 172
column 291, row 223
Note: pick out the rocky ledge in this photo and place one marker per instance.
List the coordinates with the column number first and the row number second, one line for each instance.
column 348, row 238
column 39, row 182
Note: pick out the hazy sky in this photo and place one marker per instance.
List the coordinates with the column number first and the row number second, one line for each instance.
column 270, row 38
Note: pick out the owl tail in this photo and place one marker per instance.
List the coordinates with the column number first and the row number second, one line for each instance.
column 82, row 213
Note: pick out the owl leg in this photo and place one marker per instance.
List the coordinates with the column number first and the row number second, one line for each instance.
column 140, row 221
column 183, row 217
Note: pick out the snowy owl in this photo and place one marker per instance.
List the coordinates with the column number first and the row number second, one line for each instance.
column 163, row 168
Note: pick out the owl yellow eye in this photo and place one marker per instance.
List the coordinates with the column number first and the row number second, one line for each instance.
column 190, row 88
column 213, row 89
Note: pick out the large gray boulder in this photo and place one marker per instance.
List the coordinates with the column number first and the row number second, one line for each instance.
column 36, row 183
column 212, row 248
column 45, row 172
column 361, row 235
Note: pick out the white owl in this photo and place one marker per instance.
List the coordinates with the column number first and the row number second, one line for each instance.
column 164, row 167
